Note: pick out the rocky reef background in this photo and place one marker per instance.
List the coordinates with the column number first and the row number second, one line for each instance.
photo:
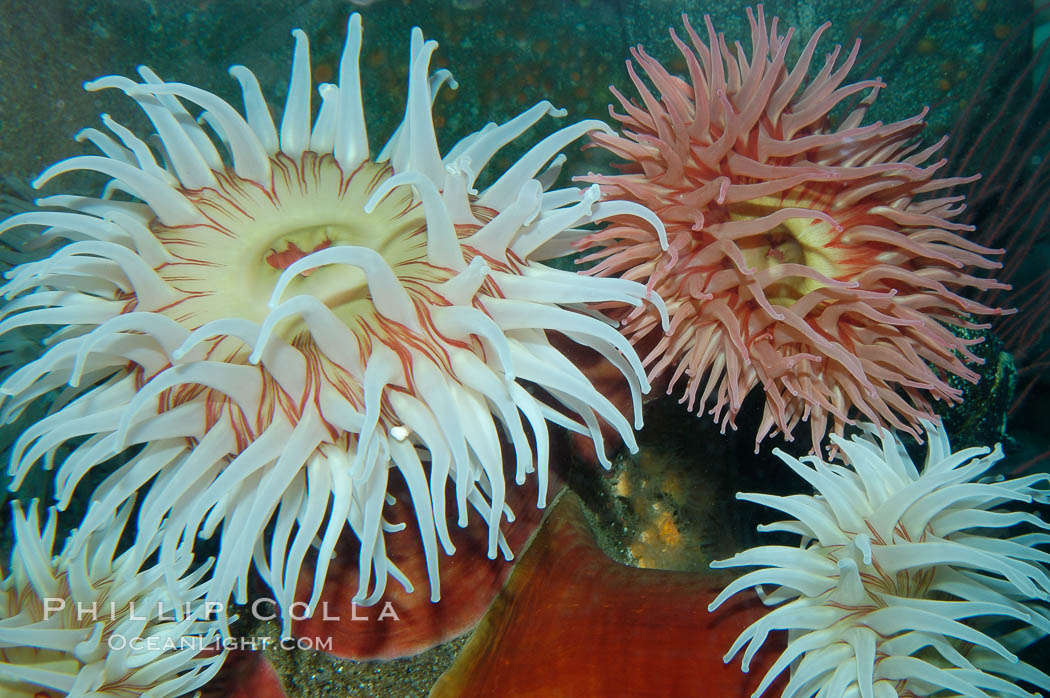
column 506, row 55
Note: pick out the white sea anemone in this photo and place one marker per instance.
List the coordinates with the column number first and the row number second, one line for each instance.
column 901, row 585
column 86, row 624
column 282, row 319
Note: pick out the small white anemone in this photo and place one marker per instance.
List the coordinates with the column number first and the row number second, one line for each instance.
column 901, row 585
column 88, row 624
column 283, row 320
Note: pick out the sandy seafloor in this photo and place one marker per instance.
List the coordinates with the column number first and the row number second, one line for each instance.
column 507, row 56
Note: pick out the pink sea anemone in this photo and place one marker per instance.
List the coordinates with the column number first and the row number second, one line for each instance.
column 807, row 255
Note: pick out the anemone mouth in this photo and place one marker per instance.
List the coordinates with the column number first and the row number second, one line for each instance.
column 876, row 583
column 240, row 264
column 794, row 246
column 230, row 264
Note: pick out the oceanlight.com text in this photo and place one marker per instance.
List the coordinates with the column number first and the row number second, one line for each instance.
column 196, row 643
